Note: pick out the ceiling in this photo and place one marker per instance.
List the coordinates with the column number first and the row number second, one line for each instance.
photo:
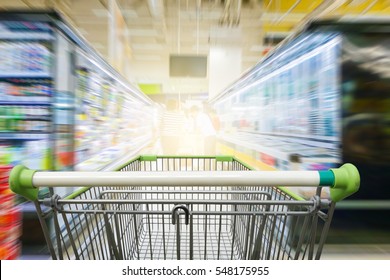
column 158, row 28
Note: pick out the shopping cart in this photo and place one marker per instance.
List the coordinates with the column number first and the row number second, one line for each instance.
column 161, row 207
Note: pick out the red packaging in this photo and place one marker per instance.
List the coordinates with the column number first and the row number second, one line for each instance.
column 4, row 174
column 6, row 200
column 10, row 217
column 10, row 251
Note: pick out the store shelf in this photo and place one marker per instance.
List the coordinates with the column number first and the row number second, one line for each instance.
column 25, row 103
column 92, row 104
column 39, row 118
column 25, row 136
column 26, row 36
column 315, row 99
column 27, row 86
column 27, row 74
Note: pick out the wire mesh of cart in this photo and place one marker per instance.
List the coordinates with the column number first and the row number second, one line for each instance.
column 162, row 207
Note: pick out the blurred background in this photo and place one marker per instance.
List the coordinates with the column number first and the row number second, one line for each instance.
column 287, row 85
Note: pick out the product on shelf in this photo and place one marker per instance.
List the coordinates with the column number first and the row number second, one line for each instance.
column 25, row 90
column 25, row 57
column 10, row 219
column 24, row 119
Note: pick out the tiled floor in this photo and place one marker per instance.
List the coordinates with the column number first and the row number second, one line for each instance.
column 330, row 252
column 356, row 252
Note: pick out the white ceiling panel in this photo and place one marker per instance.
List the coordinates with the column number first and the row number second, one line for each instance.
column 160, row 27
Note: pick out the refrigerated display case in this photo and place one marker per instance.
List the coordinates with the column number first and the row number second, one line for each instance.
column 62, row 106
column 60, row 100
column 111, row 119
column 26, row 92
column 319, row 99
column 287, row 107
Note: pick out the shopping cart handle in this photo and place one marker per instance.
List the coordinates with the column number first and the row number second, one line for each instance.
column 346, row 182
column 343, row 181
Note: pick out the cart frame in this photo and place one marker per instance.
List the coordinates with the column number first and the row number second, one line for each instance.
column 157, row 207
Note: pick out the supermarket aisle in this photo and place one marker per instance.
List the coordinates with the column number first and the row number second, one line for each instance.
column 108, row 123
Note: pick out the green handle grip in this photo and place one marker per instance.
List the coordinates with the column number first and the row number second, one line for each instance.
column 20, row 182
column 346, row 182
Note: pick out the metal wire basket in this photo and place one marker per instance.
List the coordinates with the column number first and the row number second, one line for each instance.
column 161, row 207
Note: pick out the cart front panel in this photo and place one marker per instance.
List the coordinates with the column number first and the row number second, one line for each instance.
column 186, row 222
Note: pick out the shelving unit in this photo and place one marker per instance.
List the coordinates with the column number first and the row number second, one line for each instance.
column 26, row 92
column 320, row 99
column 62, row 106
column 109, row 121
column 288, row 104
column 56, row 89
